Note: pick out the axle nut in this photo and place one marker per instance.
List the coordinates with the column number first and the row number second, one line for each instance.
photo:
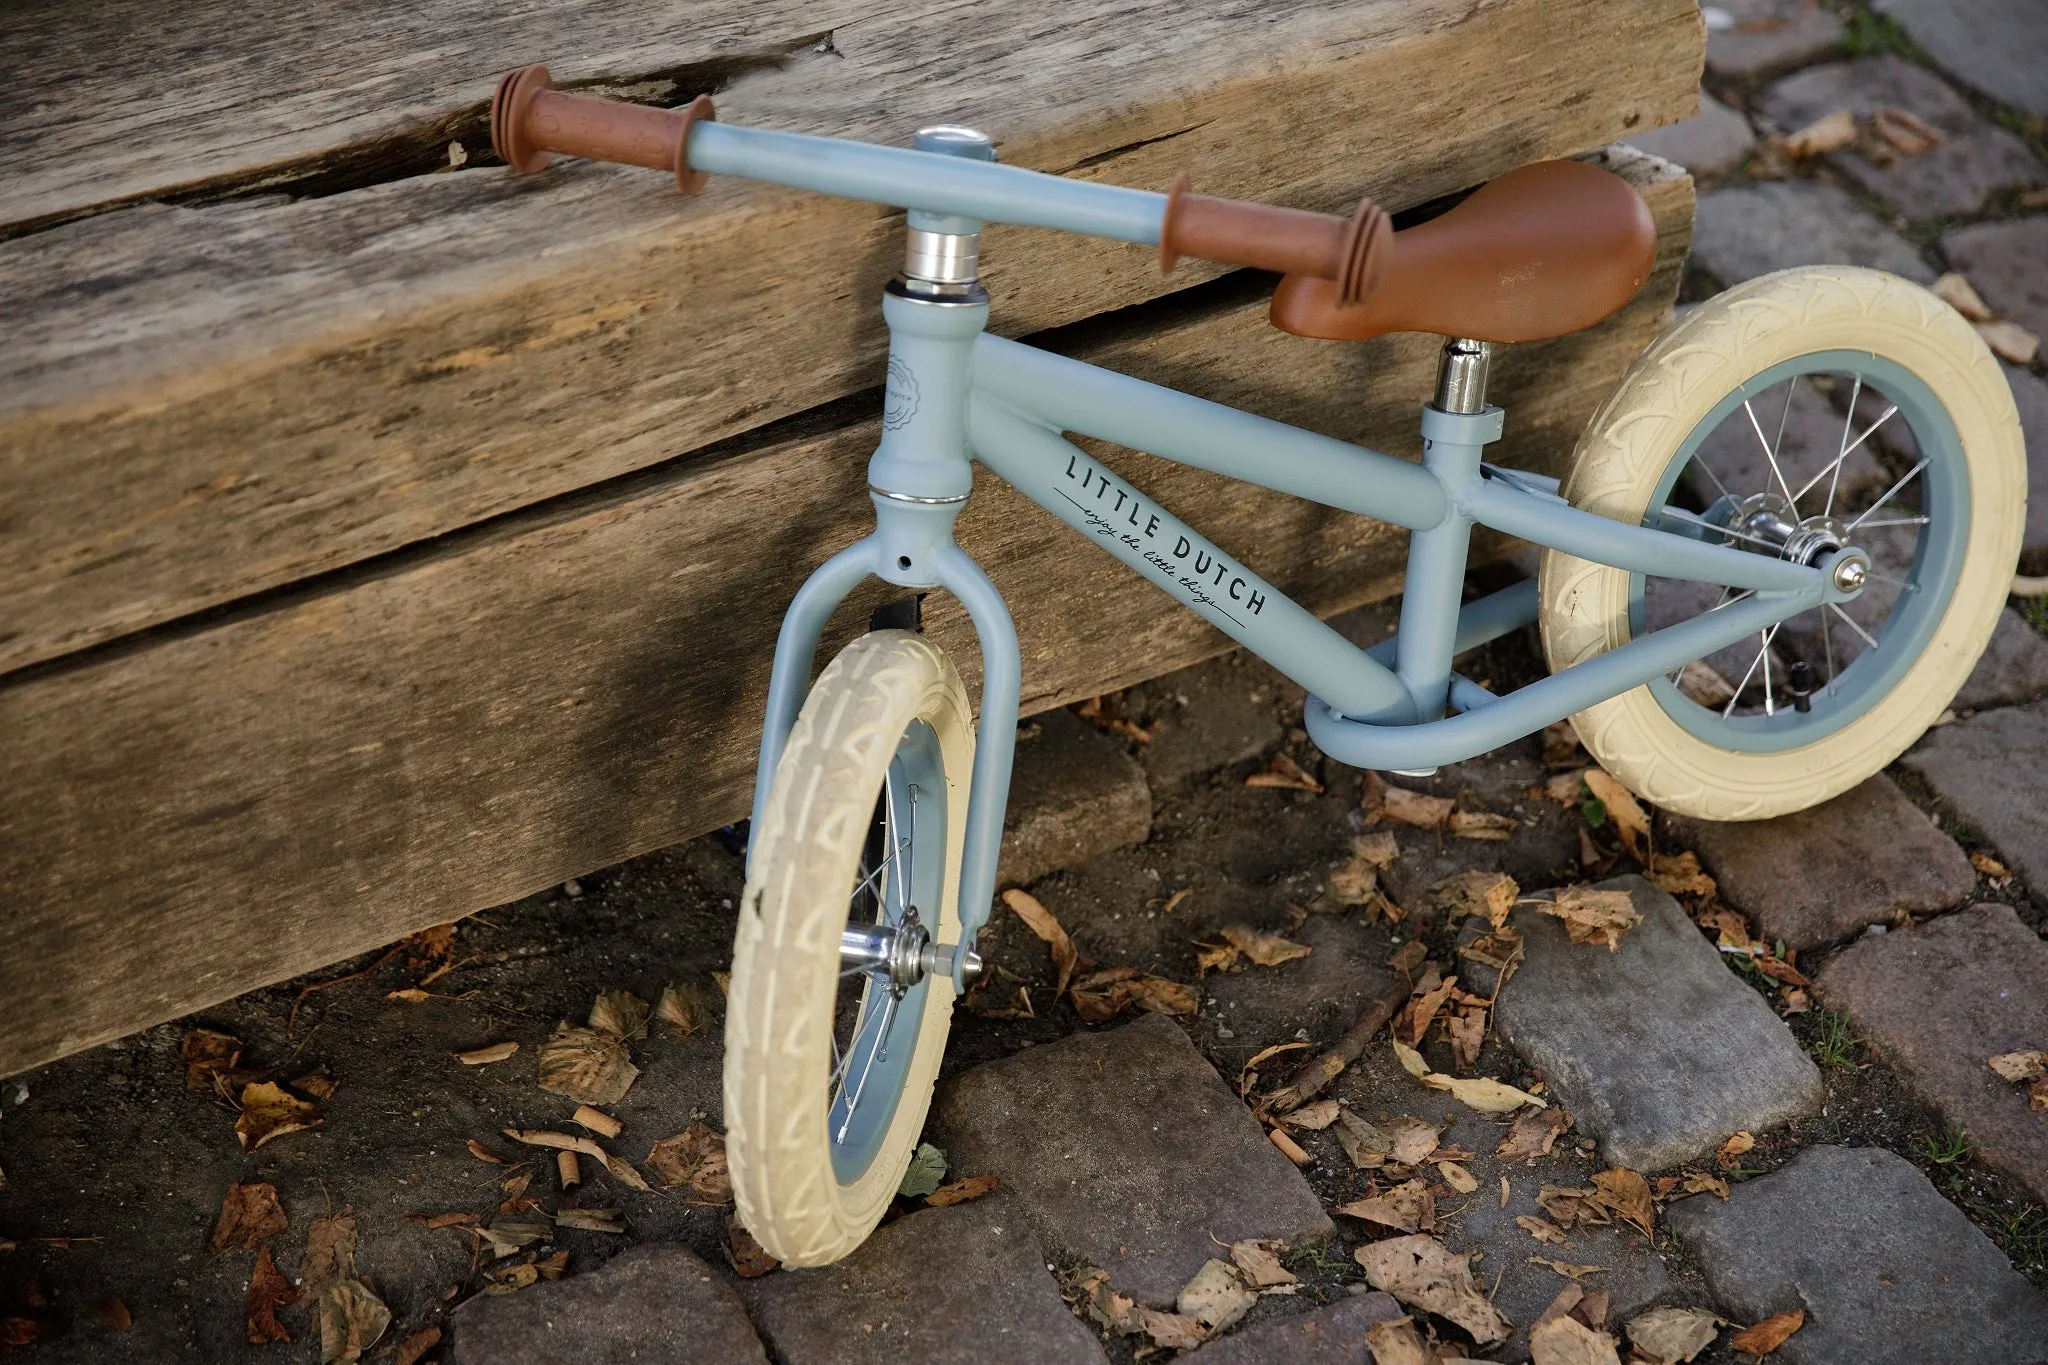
column 1850, row 575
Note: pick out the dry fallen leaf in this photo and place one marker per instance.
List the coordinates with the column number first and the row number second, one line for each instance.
column 1398, row 1343
column 2025, row 1065
column 622, row 1014
column 1284, row 773
column 249, row 1216
column 694, row 1157
column 1564, row 1340
column 1567, row 1269
column 1627, row 1194
column 591, row 1220
column 269, row 1291
column 1420, row 1011
column 505, row 1236
column 352, row 1320
column 1700, row 1182
column 588, row 1065
column 1408, row 1207
column 1542, row 1229
column 1593, row 916
column 1672, row 1336
column 114, row 1313
column 1489, row 895
column 1480, row 824
column 483, row 1153
column 960, row 1191
column 330, row 1253
column 1267, row 950
column 1989, row 866
column 1364, row 1143
column 1457, row 1177
column 269, row 1111
column 1108, row 993
column 1681, row 875
column 1411, row 1139
column 207, row 1054
column 1626, row 814
column 1258, row 1260
column 1533, row 1134
column 1573, row 1206
column 1381, row 800
column 1124, row 1315
column 1768, row 1335
column 1735, row 1146
column 1474, row 1092
column 1561, row 747
column 1796, row 1000
column 1826, row 134
column 620, row 1169
column 684, row 1007
column 2010, row 340
column 749, row 1261
column 1423, row 1273
column 417, row 1344
column 1217, row 1296
column 1041, row 922
column 1314, row 1117
column 1467, row 1031
column 1903, row 131
column 1955, row 290
column 484, row 1056
column 1567, row 788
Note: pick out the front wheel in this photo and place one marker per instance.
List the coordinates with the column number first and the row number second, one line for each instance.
column 1799, row 413
column 841, row 997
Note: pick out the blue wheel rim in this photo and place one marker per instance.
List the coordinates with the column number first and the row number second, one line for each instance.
column 871, row 1070
column 1940, row 491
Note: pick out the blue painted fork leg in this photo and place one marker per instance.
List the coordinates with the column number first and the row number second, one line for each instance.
column 995, row 740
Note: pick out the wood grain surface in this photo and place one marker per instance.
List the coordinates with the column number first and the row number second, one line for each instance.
column 203, row 401
column 232, row 800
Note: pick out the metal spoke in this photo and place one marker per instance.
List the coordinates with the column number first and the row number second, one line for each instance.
column 1770, row 703
column 1828, row 650
column 1904, row 479
column 1718, row 530
column 1769, row 454
column 1897, row 521
column 1729, row 709
column 1903, row 586
column 1708, row 470
column 1836, row 466
column 1837, row 607
column 1791, row 387
column 1848, row 419
column 874, row 1050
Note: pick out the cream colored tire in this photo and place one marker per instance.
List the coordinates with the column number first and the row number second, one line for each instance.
column 1632, row 441
column 804, row 860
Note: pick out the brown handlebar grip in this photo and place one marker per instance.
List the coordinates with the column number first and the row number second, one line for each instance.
column 530, row 120
column 1352, row 252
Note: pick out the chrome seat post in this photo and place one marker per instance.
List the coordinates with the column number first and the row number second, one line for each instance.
column 1461, row 376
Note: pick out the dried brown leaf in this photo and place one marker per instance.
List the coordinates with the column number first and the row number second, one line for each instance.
column 417, row 1344
column 1258, row 1260
column 1420, row 1011
column 484, row 1056
column 1125, row 1316
column 1412, row 1139
column 1768, row 1335
column 1467, row 1030
column 1216, row 1297
column 2037, row 1097
column 1681, row 875
column 1627, row 1195
column 621, row 1014
column 591, row 1220
column 1567, row 1269
column 1398, row 1343
column 1591, row 915
column 1065, row 957
column 2026, row 1065
column 1284, row 773
column 1701, row 1182
column 1672, row 1336
column 1572, row 1206
column 683, row 1007
column 1366, row 1145
column 694, row 1157
column 960, row 1191
column 1903, row 131
column 352, row 1320
column 1778, row 969
column 1407, row 1207
column 249, row 1216
column 749, row 1261
column 1474, row 1092
column 270, row 1111
column 1489, row 895
column 330, row 1253
column 114, row 1313
column 590, row 1066
column 1564, row 1340
column 207, row 1054
column 1561, row 747
column 2010, row 340
column 318, row 1084
column 1542, row 1229
column 1423, row 1273
column 1267, row 950
column 1314, row 1116
column 1735, row 1146
column 269, row 1291
column 1825, row 134
column 1384, row 801
column 1457, row 1177
column 483, row 1153
column 1567, row 788
column 1989, row 866
column 1630, row 821
column 1480, row 824
column 1108, row 993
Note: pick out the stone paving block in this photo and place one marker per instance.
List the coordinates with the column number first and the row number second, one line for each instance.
column 1974, row 161
column 1331, row 1335
column 1658, row 1050
column 2030, row 396
column 1322, row 992
column 965, row 1284
column 1076, row 794
column 2008, row 263
column 1126, row 1148
column 1748, row 230
column 1994, row 46
column 1987, row 771
column 1822, row 874
column 1769, row 35
column 1939, row 999
column 1888, row 1271
column 651, row 1305
column 1205, row 717
column 1708, row 143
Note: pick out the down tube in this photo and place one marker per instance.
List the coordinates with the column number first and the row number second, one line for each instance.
column 1167, row 552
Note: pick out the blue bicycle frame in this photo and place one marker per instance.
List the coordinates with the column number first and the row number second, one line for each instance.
column 957, row 395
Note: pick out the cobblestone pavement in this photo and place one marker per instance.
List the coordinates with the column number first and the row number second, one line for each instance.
column 1771, row 1096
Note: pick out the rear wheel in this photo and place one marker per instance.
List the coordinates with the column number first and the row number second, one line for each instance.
column 1797, row 414
column 841, row 987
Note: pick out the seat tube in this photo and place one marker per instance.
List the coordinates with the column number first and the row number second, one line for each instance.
column 1456, row 428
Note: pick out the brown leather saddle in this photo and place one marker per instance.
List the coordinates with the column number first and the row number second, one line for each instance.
column 1544, row 250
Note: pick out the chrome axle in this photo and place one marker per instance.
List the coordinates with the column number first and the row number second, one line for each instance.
column 902, row 952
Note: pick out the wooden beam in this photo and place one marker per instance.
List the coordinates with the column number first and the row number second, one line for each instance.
column 194, row 815
column 200, row 404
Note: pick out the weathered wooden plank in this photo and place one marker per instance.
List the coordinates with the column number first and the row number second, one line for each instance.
column 200, row 404
column 226, row 806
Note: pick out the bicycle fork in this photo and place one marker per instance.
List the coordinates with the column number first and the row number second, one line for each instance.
column 918, row 480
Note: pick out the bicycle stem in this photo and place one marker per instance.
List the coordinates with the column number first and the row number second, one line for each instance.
column 531, row 121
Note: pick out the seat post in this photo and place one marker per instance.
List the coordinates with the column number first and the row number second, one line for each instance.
column 1461, row 376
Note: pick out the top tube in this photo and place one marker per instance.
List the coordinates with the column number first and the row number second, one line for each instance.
column 928, row 181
